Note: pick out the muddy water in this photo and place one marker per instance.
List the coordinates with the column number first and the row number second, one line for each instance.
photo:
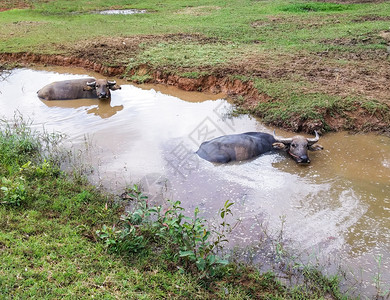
column 338, row 206
column 122, row 12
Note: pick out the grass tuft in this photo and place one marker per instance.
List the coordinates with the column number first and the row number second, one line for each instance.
column 316, row 7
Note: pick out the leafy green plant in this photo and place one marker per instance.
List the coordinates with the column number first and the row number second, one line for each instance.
column 14, row 191
column 109, row 235
column 135, row 194
column 192, row 236
column 201, row 250
column 40, row 170
column 129, row 237
column 45, row 169
column 197, row 244
column 188, row 237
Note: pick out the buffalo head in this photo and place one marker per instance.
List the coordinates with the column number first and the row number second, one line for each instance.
column 297, row 146
column 102, row 87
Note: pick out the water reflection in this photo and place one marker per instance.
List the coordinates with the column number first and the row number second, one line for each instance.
column 192, row 97
column 101, row 108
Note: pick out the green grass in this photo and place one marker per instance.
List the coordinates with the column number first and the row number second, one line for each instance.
column 229, row 21
column 297, row 106
column 309, row 7
column 187, row 54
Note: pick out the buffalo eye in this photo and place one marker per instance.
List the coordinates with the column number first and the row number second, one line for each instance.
column 293, row 145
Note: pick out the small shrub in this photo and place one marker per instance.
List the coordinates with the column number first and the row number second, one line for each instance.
column 129, row 238
column 194, row 238
column 188, row 238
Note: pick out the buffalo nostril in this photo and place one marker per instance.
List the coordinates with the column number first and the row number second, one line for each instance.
column 306, row 160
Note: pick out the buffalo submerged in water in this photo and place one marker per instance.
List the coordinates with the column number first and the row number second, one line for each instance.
column 237, row 147
column 78, row 89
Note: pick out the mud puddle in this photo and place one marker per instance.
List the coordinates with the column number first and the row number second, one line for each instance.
column 122, row 12
column 338, row 206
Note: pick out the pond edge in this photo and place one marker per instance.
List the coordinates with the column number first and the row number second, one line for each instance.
column 245, row 95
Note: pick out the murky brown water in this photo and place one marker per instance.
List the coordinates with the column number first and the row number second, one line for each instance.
column 338, row 205
column 122, row 11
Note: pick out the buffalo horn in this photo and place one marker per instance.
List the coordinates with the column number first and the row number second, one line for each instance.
column 314, row 140
column 111, row 82
column 282, row 140
column 93, row 83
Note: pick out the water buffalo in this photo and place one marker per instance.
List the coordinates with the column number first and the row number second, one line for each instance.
column 251, row 144
column 78, row 89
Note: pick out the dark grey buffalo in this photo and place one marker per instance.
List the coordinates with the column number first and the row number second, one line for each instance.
column 247, row 145
column 78, row 89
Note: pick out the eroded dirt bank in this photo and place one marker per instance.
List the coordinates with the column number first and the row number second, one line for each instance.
column 359, row 119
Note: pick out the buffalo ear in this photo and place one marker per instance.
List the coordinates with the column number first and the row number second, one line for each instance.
column 279, row 146
column 315, row 147
column 114, row 87
column 87, row 88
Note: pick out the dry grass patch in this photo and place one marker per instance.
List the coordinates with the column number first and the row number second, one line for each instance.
column 198, row 10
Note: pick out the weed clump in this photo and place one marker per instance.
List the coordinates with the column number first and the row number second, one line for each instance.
column 188, row 240
column 24, row 155
column 316, row 7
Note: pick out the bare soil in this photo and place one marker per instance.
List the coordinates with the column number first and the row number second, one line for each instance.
column 119, row 50
column 18, row 4
column 11, row 4
column 6, row 5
